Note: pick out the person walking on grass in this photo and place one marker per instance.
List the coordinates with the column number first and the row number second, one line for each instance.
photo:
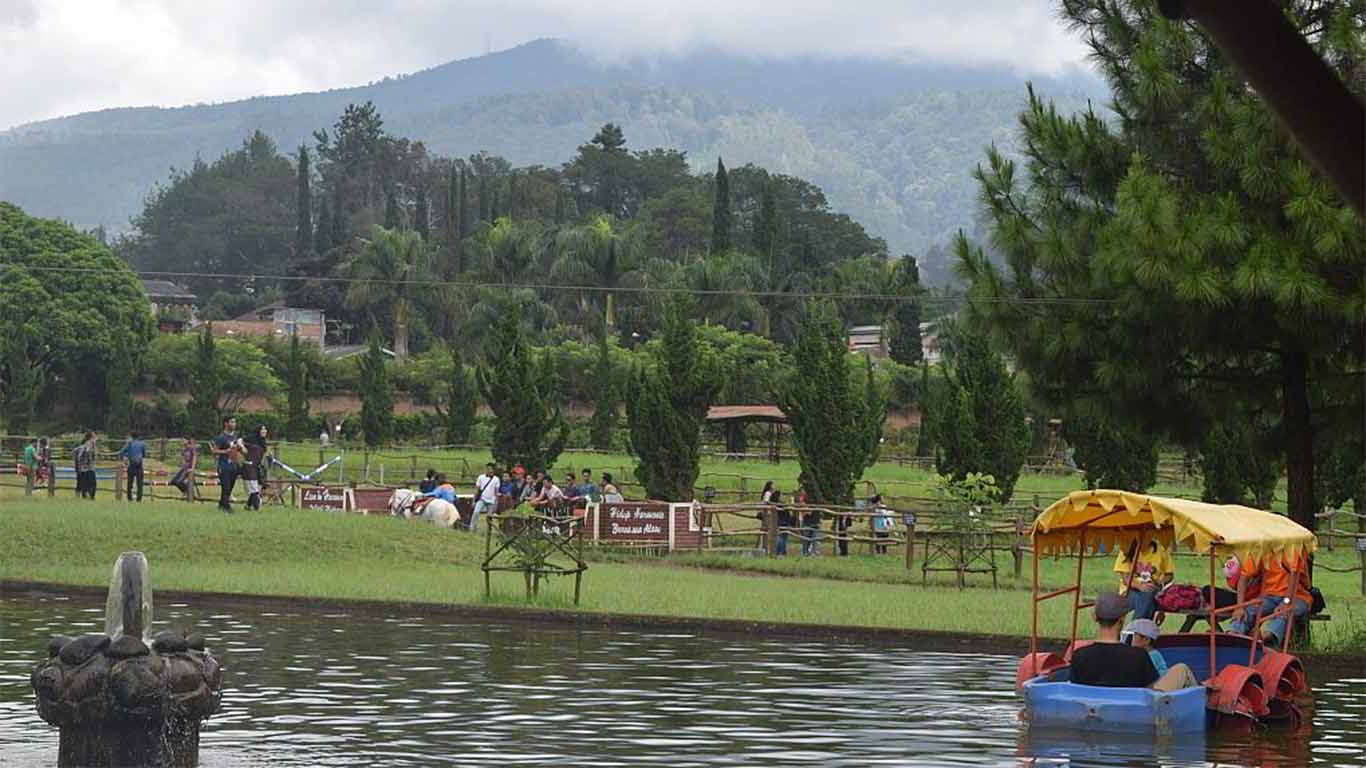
column 84, row 459
column 189, row 457
column 226, row 449
column 133, row 453
column 485, row 494
column 30, row 463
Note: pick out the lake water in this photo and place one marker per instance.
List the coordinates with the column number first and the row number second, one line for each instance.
column 365, row 688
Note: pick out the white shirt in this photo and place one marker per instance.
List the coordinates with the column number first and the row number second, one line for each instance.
column 486, row 487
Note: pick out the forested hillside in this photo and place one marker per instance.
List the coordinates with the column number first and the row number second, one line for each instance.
column 891, row 143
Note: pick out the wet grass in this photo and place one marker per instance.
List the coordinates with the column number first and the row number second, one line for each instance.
column 306, row 553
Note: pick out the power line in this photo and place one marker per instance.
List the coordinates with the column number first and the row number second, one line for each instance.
column 644, row 290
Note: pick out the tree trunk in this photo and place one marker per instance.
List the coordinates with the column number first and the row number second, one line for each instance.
column 401, row 330
column 1298, row 435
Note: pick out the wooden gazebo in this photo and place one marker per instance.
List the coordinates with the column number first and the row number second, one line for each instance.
column 737, row 416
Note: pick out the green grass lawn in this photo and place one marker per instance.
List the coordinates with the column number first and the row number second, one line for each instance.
column 317, row 554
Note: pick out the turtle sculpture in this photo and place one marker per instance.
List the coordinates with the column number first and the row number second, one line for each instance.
column 120, row 698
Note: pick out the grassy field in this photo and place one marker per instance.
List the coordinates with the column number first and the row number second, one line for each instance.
column 317, row 554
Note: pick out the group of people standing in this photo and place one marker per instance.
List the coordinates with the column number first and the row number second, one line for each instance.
column 808, row 520
column 540, row 491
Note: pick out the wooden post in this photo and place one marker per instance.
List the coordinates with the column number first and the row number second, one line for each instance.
column 52, row 481
column 118, row 482
column 162, row 455
column 910, row 545
column 771, row 531
column 412, row 470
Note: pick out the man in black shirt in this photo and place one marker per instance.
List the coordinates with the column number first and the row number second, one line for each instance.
column 1108, row 662
column 225, row 448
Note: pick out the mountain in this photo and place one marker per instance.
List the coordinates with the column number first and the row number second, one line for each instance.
column 892, row 142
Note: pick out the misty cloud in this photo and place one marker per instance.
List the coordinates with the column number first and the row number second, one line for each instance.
column 62, row 57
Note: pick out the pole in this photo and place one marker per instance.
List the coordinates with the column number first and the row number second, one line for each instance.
column 1212, row 601
column 1076, row 596
column 910, row 545
column 1034, row 613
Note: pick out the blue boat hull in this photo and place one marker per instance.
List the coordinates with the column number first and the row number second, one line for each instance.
column 1068, row 705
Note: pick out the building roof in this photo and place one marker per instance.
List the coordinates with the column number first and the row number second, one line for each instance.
column 167, row 290
column 762, row 413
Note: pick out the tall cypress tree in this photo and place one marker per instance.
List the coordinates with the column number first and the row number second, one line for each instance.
column 484, row 207
column 766, row 230
column 341, row 220
column 206, row 386
column 528, row 427
column 421, row 214
column 905, row 345
column 720, row 212
column 836, row 423
column 119, row 386
column 605, row 399
column 303, row 228
column 461, row 401
column 393, row 218
column 462, row 204
column 668, row 402
column 296, row 373
column 978, row 422
column 377, row 399
column 322, row 234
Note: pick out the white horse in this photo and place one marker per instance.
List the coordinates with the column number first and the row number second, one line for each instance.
column 439, row 511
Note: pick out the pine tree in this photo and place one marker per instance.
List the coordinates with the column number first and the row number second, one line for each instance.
column 206, row 387
column 462, row 205
column 528, row 427
column 393, row 217
column 604, row 422
column 668, row 402
column 119, row 387
column 1111, row 455
column 766, row 229
column 303, row 230
column 720, row 212
column 421, row 216
column 978, row 422
column 341, row 221
column 484, row 207
column 905, row 345
column 836, row 427
column 461, row 402
column 296, row 373
column 377, row 399
column 454, row 221
column 322, row 234
column 1184, row 259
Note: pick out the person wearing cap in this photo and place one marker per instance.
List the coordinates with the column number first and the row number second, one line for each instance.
column 1143, row 633
column 1110, row 663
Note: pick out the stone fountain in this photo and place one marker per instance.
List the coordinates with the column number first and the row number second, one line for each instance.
column 123, row 698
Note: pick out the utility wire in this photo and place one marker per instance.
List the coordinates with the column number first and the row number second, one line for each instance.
column 661, row 290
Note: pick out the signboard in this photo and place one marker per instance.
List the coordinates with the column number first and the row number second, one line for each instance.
column 634, row 521
column 323, row 497
column 371, row 499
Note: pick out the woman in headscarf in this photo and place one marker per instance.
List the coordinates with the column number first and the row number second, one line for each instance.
column 254, row 467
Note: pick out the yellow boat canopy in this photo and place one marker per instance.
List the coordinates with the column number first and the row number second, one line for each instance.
column 1113, row 519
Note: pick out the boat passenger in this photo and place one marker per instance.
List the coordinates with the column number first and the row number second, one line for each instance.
column 1154, row 571
column 1143, row 633
column 1275, row 576
column 1110, row 663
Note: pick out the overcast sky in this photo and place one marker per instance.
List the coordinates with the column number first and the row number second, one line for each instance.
column 61, row 57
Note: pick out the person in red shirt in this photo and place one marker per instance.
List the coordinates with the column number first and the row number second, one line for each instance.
column 1276, row 575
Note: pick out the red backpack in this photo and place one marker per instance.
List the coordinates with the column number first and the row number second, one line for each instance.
column 1179, row 597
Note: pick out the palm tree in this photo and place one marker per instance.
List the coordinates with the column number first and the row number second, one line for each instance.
column 726, row 281
column 593, row 254
column 389, row 271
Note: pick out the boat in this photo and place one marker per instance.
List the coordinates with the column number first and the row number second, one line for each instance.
column 1244, row 680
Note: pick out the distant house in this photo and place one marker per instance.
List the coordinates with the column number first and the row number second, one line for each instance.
column 278, row 321
column 869, row 339
column 174, row 306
